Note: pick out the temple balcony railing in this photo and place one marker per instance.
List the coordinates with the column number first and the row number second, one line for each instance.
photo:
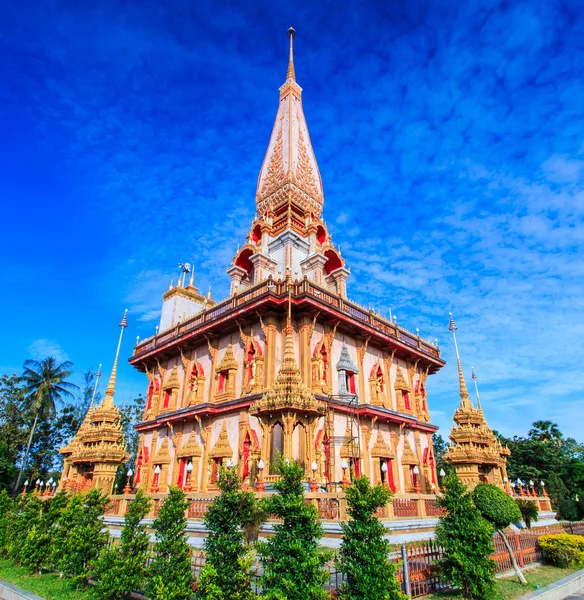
column 278, row 290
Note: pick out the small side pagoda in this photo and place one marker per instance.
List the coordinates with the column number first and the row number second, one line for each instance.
column 476, row 454
column 93, row 456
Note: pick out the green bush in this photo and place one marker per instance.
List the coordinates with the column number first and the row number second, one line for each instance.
column 364, row 553
column 80, row 536
column 171, row 574
column 495, row 505
column 24, row 517
column 121, row 568
column 6, row 508
column 467, row 540
column 227, row 569
column 529, row 511
column 293, row 558
column 36, row 549
column 563, row 549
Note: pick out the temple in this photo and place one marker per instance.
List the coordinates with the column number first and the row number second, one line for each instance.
column 287, row 365
column 92, row 458
column 476, row 454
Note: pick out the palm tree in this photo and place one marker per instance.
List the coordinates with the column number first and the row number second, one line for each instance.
column 45, row 383
column 545, row 431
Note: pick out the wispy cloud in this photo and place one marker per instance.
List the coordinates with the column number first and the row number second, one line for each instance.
column 43, row 348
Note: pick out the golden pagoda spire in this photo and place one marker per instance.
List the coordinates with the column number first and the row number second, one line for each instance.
column 465, row 402
column 474, row 376
column 108, row 401
column 290, row 75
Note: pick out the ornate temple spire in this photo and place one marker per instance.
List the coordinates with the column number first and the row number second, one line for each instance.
column 474, row 377
column 290, row 75
column 465, row 402
column 289, row 173
column 108, row 401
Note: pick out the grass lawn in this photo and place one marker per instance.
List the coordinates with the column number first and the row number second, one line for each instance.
column 509, row 588
column 47, row 586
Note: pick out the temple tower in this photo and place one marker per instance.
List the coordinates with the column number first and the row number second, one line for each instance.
column 93, row 456
column 286, row 364
column 476, row 454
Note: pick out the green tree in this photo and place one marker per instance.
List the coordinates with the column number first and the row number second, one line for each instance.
column 545, row 431
column 121, row 568
column 171, row 575
column 467, row 540
column 440, row 447
column 227, row 569
column 24, row 518
column 500, row 510
column 36, row 549
column 364, row 554
column 12, row 428
column 81, row 535
column 45, row 384
column 529, row 511
column 293, row 558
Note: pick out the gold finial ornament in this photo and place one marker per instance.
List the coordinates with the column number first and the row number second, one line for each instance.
column 463, row 390
column 290, row 75
column 474, row 377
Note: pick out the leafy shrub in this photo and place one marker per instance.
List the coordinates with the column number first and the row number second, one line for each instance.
column 81, row 536
column 227, row 566
column 364, row 554
column 467, row 540
column 171, row 575
column 529, row 511
column 36, row 549
column 6, row 508
column 121, row 568
column 563, row 549
column 24, row 517
column 293, row 558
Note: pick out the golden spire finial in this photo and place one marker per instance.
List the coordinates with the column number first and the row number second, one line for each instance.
column 463, row 391
column 474, row 376
column 290, row 75
column 108, row 401
column 97, row 376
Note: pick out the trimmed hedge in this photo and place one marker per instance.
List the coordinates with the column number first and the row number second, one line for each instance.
column 563, row 549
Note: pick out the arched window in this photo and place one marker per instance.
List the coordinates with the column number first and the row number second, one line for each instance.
column 326, row 448
column 277, row 444
column 406, row 397
column 193, row 380
column 150, row 395
column 350, row 381
column 324, row 358
column 245, row 455
column 380, row 379
column 251, row 365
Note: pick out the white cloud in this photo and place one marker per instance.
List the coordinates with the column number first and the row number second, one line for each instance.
column 43, row 348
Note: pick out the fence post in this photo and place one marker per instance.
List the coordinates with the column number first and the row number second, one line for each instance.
column 521, row 563
column 404, row 554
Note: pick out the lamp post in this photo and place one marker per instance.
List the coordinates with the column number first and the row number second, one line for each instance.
column 512, row 485
column 128, row 487
column 506, row 483
column 544, row 493
column 41, row 485
column 37, row 483
column 49, row 486
column 344, row 466
column 313, row 484
column 417, row 486
column 260, row 486
column 532, row 488
column 520, row 486
column 24, row 488
column 54, row 488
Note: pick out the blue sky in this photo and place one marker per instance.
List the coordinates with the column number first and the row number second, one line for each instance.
column 450, row 140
